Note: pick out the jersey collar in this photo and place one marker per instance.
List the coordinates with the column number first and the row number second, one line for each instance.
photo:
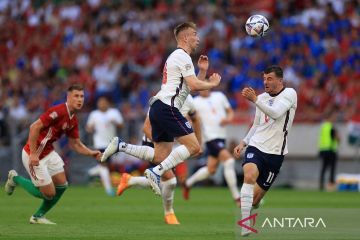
column 67, row 108
column 274, row 95
column 183, row 50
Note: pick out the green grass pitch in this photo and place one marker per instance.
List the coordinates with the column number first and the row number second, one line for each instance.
column 87, row 213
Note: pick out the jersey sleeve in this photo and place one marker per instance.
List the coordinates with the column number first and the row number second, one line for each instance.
column 280, row 106
column 49, row 117
column 74, row 131
column 116, row 116
column 185, row 65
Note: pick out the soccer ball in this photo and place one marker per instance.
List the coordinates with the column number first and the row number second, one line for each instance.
column 257, row 26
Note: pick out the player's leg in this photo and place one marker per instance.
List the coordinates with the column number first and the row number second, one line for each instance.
column 55, row 168
column 118, row 145
column 251, row 173
column 14, row 179
column 189, row 147
column 168, row 182
column 332, row 164
column 181, row 172
column 200, row 175
column 167, row 123
column 230, row 174
column 104, row 174
column 144, row 152
column 323, row 156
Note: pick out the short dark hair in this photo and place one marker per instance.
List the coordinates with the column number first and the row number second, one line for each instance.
column 275, row 69
column 73, row 87
column 183, row 26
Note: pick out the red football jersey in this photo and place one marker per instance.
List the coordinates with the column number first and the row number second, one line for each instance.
column 56, row 121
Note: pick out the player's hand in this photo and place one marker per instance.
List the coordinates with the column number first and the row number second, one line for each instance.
column 33, row 160
column 96, row 154
column 215, row 79
column 238, row 149
column 224, row 122
column 203, row 63
column 249, row 94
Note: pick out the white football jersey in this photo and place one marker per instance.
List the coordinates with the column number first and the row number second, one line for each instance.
column 188, row 108
column 273, row 119
column 212, row 110
column 104, row 124
column 174, row 89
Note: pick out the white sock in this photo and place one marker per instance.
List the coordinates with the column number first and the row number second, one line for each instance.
column 94, row 171
column 230, row 177
column 246, row 196
column 177, row 156
column 167, row 194
column 199, row 175
column 142, row 152
column 105, row 178
column 139, row 181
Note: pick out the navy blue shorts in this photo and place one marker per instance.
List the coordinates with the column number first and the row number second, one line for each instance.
column 167, row 122
column 268, row 164
column 214, row 147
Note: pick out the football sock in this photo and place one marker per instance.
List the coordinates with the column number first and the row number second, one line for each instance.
column 28, row 186
column 48, row 204
column 230, row 177
column 94, row 171
column 246, row 196
column 105, row 178
column 167, row 194
column 199, row 175
column 142, row 152
column 139, row 181
column 177, row 156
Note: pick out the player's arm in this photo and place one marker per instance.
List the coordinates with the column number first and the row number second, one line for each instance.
column 79, row 147
column 196, row 123
column 203, row 64
column 277, row 109
column 147, row 128
column 34, row 133
column 229, row 117
column 196, row 84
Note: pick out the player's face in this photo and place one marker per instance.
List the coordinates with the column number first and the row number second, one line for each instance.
column 271, row 83
column 193, row 39
column 75, row 100
column 103, row 104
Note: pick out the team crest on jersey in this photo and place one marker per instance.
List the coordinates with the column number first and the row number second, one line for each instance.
column 188, row 125
column 250, row 155
column 53, row 115
column 187, row 67
column 64, row 126
column 271, row 101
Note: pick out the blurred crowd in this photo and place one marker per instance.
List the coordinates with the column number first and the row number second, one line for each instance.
column 117, row 48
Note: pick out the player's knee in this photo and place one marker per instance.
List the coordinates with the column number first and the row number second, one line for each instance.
column 49, row 195
column 194, row 149
column 212, row 170
column 250, row 177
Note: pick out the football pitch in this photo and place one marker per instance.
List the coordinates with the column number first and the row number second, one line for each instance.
column 87, row 213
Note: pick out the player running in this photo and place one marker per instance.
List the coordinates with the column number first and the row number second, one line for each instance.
column 166, row 120
column 215, row 113
column 266, row 140
column 44, row 165
column 168, row 182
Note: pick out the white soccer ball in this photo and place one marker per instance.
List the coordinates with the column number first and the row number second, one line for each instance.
column 257, row 26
